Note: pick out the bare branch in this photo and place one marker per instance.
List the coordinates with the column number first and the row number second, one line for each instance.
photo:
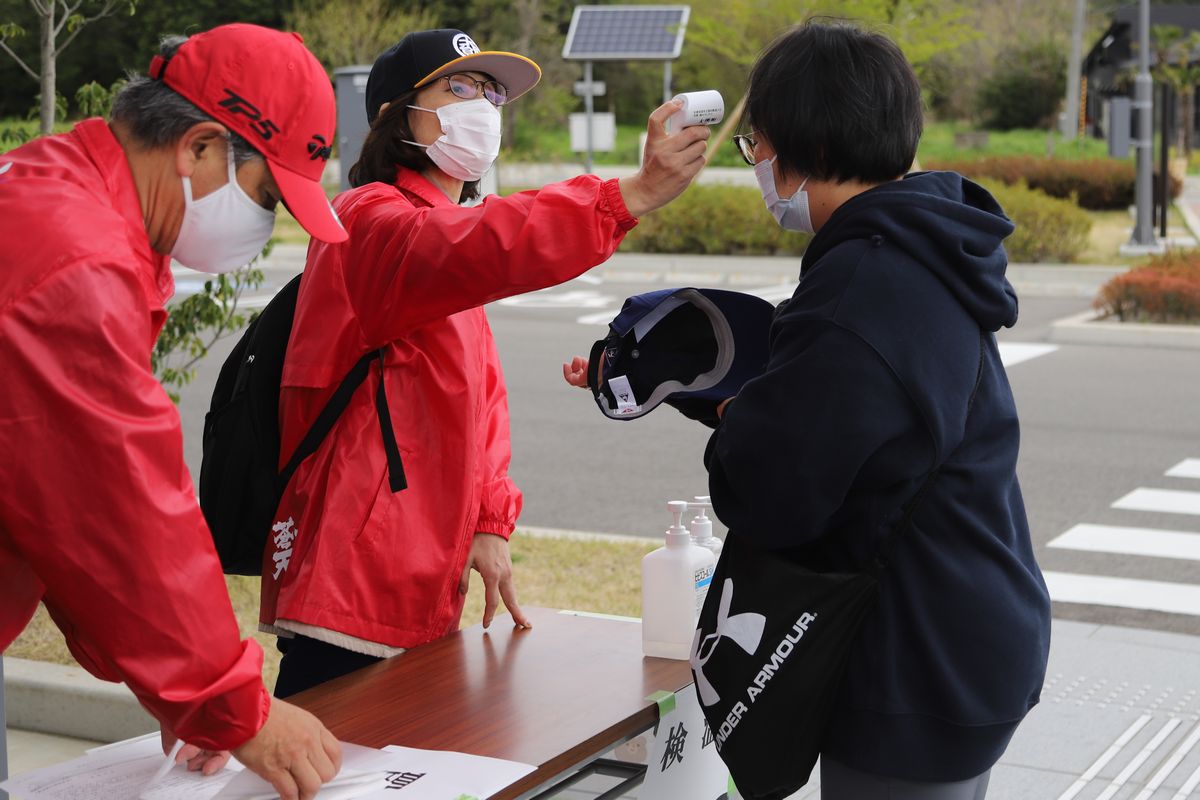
column 71, row 38
column 68, row 12
column 110, row 8
column 40, row 7
column 21, row 63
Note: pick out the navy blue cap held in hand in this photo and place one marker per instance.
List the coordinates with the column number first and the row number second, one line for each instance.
column 691, row 348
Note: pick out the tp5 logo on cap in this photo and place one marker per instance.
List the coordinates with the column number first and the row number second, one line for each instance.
column 265, row 86
column 464, row 45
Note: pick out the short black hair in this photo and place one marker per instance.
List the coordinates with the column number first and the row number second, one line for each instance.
column 837, row 102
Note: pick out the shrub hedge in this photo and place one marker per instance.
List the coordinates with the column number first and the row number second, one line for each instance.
column 1099, row 183
column 1164, row 289
column 714, row 219
column 1047, row 229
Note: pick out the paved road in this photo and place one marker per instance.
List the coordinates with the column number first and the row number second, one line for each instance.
column 1099, row 423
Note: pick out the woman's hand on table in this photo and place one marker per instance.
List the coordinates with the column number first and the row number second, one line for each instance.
column 489, row 557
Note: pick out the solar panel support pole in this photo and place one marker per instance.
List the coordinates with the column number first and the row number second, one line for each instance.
column 588, row 102
column 667, row 81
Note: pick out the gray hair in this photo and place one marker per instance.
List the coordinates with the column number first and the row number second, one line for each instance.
column 157, row 116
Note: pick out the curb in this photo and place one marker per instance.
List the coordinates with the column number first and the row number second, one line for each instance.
column 1086, row 328
column 68, row 701
column 1060, row 280
column 584, row 536
column 1039, row 280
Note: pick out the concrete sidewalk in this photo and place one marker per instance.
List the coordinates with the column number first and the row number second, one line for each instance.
column 1119, row 718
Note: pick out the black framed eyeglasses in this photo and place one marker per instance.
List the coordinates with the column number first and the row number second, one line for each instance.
column 745, row 143
column 467, row 88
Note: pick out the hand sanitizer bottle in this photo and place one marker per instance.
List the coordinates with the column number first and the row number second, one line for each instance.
column 675, row 581
column 701, row 527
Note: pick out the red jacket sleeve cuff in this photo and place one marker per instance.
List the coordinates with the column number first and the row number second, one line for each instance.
column 232, row 710
column 612, row 202
column 497, row 527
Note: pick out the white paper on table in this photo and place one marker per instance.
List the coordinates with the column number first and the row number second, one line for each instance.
column 363, row 774
column 115, row 773
column 422, row 774
column 446, row 775
column 122, row 770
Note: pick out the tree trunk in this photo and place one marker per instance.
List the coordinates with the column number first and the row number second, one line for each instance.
column 49, row 77
column 529, row 13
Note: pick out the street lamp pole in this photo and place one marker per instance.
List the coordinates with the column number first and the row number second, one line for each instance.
column 1143, row 239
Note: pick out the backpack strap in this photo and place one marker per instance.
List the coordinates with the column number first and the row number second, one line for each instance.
column 334, row 408
column 885, row 547
column 396, row 479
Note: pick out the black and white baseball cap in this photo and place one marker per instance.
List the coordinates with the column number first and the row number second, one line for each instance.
column 690, row 348
column 424, row 56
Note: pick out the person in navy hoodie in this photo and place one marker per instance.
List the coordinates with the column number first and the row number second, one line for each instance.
column 884, row 367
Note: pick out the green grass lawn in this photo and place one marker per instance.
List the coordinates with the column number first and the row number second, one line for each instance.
column 603, row 577
column 938, row 143
column 553, row 145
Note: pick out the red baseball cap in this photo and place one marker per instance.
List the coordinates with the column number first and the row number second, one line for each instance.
column 268, row 88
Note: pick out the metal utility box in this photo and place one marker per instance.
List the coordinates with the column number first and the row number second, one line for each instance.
column 351, row 86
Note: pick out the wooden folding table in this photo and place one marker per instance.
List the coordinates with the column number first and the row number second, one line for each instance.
column 556, row 696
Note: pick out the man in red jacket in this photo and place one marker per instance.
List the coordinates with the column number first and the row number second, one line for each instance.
column 98, row 518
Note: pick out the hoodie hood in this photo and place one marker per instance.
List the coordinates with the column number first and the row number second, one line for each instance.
column 950, row 225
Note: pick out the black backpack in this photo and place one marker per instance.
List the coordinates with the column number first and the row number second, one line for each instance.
column 240, row 484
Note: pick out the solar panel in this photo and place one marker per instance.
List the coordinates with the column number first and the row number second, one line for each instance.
column 611, row 33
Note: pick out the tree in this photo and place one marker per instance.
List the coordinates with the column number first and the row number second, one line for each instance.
column 199, row 321
column 1026, row 88
column 1174, row 66
column 55, row 17
column 730, row 36
column 345, row 32
column 530, row 28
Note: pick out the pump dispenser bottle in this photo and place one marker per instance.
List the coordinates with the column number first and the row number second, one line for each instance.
column 675, row 581
column 701, row 527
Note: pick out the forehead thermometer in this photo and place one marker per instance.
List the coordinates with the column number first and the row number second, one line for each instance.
column 699, row 108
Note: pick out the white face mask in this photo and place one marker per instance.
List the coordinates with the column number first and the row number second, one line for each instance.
column 223, row 230
column 792, row 214
column 470, row 139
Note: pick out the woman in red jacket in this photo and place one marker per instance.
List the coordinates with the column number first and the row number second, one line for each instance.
column 356, row 571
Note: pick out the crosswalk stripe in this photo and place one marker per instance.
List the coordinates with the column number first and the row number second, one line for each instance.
column 1169, row 766
column 1141, row 758
column 1015, row 352
column 1101, row 590
column 1189, row 786
column 1130, row 541
column 1105, row 757
column 1170, row 501
column 1188, row 468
